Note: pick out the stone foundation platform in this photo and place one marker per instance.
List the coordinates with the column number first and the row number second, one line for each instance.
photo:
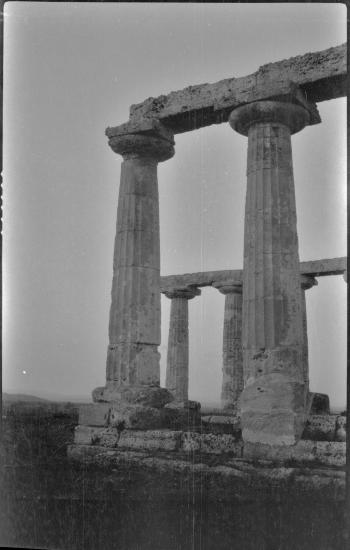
column 313, row 471
column 213, row 447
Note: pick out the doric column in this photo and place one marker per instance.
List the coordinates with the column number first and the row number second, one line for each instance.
column 232, row 355
column 306, row 282
column 273, row 401
column 177, row 358
column 134, row 322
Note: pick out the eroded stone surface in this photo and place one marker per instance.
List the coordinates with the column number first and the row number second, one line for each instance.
column 307, row 282
column 151, row 440
column 224, row 446
column 232, row 353
column 236, row 477
column 148, row 127
column 325, row 428
column 94, row 414
column 149, row 396
column 134, row 323
column 273, row 401
column 331, row 454
column 322, row 75
column 178, row 352
column 222, row 424
column 182, row 415
column 145, row 440
column 211, row 443
column 319, row 403
column 135, row 417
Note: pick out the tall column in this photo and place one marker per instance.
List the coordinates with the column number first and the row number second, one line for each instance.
column 273, row 401
column 177, row 358
column 134, row 322
column 306, row 282
column 232, row 355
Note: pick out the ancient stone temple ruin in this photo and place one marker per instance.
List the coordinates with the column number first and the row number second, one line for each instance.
column 268, row 410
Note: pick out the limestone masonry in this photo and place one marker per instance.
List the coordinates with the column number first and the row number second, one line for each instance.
column 268, row 412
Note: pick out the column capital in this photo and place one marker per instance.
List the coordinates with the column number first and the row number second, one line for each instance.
column 187, row 293
column 131, row 146
column 149, row 139
column 291, row 114
column 307, row 282
column 229, row 287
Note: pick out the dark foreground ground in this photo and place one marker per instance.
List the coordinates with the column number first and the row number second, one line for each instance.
column 48, row 502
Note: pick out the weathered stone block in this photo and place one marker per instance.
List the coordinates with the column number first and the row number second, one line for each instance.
column 87, row 435
column 160, row 440
column 272, row 410
column 191, row 442
column 210, row 443
column 331, row 454
column 148, row 396
column 149, row 127
column 135, row 417
column 222, row 424
column 182, row 415
column 94, row 414
column 154, row 440
column 314, row 268
column 320, row 428
column 218, row 444
column 319, row 403
column 322, row 73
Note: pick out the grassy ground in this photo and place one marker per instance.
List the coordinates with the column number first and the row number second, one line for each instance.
column 48, row 502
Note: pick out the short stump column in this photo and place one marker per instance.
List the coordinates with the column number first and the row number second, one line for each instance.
column 232, row 354
column 178, row 352
column 273, row 402
column 134, row 323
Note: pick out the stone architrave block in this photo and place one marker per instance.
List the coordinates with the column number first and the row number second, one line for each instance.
column 315, row 268
column 322, row 74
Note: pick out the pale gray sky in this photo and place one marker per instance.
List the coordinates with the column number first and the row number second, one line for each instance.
column 71, row 70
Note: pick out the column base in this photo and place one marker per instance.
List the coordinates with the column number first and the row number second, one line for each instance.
column 120, row 415
column 273, row 410
column 144, row 395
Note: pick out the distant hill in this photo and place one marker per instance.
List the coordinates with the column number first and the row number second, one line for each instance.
column 12, row 397
column 49, row 398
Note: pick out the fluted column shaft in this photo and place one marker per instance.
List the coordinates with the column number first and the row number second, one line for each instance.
column 274, row 398
column 177, row 372
column 306, row 283
column 134, row 322
column 232, row 355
